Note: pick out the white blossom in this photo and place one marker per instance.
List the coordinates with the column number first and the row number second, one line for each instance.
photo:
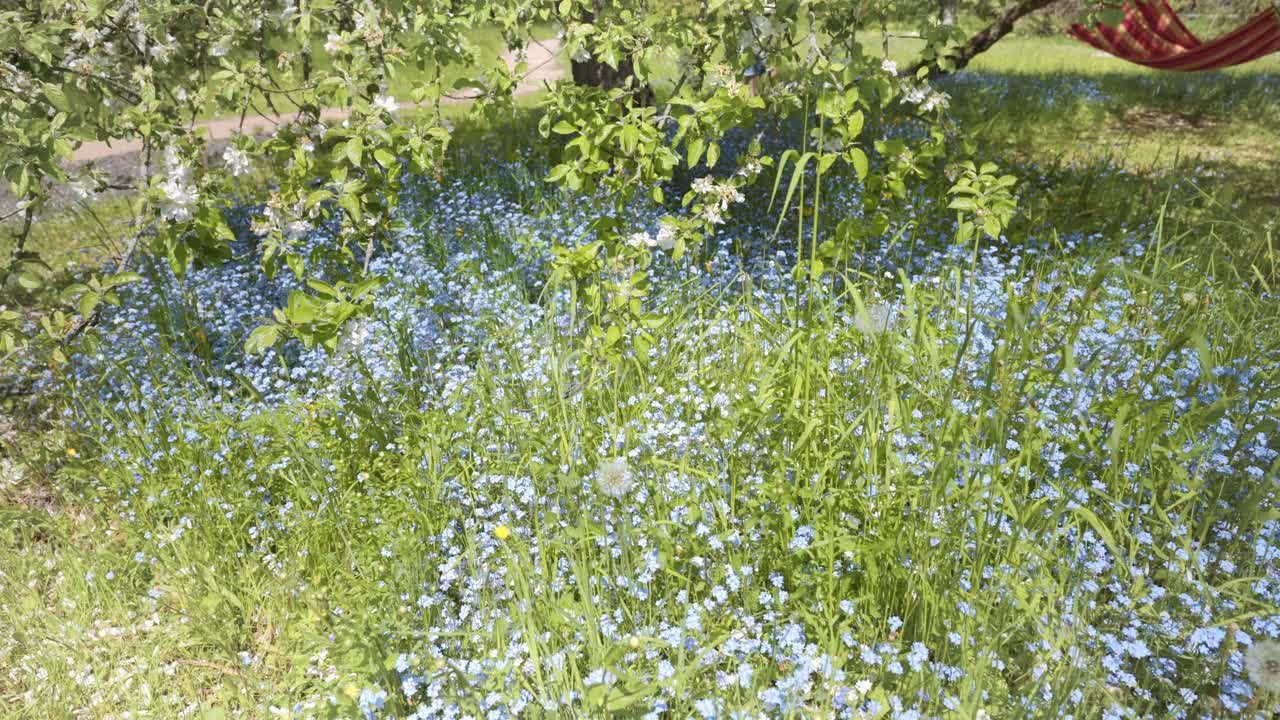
column 640, row 240
column 751, row 168
column 729, row 193
column 237, row 161
column 704, row 185
column 666, row 236
column 353, row 338
column 936, row 101
column 916, row 95
column 178, row 193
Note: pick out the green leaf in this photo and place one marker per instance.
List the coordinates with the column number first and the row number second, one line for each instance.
column 825, row 163
column 261, row 339
column 860, row 164
column 629, row 138
column 324, row 288
column 301, row 309
column 991, row 225
column 29, row 280
column 854, row 128
column 351, row 203
column 57, row 98
column 777, row 179
column 621, row 700
column 123, row 278
column 696, row 146
column 88, row 302
column 796, row 175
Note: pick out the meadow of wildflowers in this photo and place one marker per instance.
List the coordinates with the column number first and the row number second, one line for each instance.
column 1035, row 480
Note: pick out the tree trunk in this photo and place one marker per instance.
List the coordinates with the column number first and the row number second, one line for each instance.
column 947, row 12
column 594, row 72
column 979, row 43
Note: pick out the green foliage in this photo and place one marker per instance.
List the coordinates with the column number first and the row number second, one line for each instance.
column 983, row 201
column 316, row 319
column 112, row 71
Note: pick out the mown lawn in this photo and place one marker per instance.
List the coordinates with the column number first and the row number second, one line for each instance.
column 1034, row 481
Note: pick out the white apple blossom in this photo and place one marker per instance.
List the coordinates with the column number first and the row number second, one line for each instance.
column 936, row 101
column 666, row 238
column 178, row 194
column 641, row 240
column 237, row 161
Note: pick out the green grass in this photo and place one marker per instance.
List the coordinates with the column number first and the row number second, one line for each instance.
column 78, row 235
column 229, row 632
column 1048, row 55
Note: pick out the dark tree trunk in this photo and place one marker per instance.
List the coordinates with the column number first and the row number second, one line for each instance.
column 594, row 72
column 1001, row 26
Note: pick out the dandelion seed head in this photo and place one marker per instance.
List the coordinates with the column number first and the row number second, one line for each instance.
column 1262, row 662
column 614, row 478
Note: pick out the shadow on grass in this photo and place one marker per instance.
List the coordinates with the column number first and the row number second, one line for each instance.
column 1124, row 146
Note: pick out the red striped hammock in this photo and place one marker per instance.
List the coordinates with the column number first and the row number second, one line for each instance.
column 1152, row 35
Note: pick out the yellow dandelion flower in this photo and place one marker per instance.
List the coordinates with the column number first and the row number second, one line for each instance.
column 351, row 691
column 502, row 532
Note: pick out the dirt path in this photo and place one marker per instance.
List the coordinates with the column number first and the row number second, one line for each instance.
column 540, row 55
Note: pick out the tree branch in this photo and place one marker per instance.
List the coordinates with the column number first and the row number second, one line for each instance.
column 981, row 42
